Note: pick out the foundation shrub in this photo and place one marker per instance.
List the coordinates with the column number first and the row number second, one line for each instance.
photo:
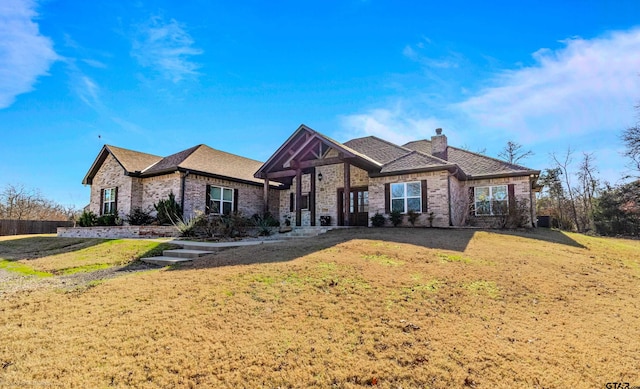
column 378, row 220
column 139, row 217
column 396, row 218
column 168, row 210
column 87, row 219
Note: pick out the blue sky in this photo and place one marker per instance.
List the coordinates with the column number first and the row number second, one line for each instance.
column 241, row 76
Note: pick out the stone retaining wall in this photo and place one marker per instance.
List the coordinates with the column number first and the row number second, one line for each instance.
column 119, row 232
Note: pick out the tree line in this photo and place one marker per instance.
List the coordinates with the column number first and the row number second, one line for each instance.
column 18, row 202
column 578, row 200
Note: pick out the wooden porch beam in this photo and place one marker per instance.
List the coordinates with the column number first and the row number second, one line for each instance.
column 265, row 196
column 298, row 197
column 347, row 191
column 312, row 197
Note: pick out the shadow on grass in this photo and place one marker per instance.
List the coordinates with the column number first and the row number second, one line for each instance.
column 38, row 247
column 434, row 238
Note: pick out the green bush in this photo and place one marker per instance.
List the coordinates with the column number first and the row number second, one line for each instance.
column 139, row 217
column 169, row 211
column 87, row 219
column 108, row 220
column 188, row 226
column 378, row 220
column 413, row 217
column 396, row 218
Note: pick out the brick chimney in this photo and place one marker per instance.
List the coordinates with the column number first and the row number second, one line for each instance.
column 439, row 145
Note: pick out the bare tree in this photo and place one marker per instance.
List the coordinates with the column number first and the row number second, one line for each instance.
column 587, row 191
column 631, row 139
column 513, row 152
column 563, row 165
column 20, row 203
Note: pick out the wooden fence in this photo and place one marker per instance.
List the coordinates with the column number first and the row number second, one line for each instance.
column 19, row 227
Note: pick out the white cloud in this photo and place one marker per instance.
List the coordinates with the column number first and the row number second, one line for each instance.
column 394, row 124
column 25, row 54
column 581, row 95
column 586, row 86
column 167, row 48
column 88, row 91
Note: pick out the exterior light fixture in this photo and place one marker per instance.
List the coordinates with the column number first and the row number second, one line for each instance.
column 319, row 176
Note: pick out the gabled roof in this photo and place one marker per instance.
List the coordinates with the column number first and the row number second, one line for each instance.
column 309, row 148
column 200, row 159
column 131, row 161
column 204, row 159
column 378, row 149
column 415, row 160
column 473, row 164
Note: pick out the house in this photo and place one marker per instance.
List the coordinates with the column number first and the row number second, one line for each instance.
column 306, row 180
column 122, row 180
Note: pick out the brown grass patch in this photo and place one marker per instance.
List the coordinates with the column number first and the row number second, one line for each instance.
column 537, row 309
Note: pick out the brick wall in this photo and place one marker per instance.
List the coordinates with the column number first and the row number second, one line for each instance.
column 119, row 232
column 522, row 192
column 158, row 188
column 111, row 175
column 437, row 196
column 250, row 197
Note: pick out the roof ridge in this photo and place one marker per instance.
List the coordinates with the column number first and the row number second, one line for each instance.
column 109, row 147
column 381, row 140
column 489, row 157
column 226, row 152
column 447, row 162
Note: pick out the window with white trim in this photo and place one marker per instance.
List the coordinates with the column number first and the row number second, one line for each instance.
column 221, row 200
column 406, row 196
column 109, row 201
column 491, row 200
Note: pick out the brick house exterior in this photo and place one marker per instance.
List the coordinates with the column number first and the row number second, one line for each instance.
column 445, row 186
column 139, row 180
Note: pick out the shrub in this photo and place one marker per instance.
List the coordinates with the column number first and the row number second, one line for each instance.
column 396, row 218
column 265, row 219
column 169, row 211
column 378, row 220
column 264, row 223
column 187, row 226
column 87, row 219
column 139, row 217
column 413, row 217
column 108, row 220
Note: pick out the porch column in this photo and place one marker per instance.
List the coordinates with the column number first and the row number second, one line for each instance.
column 312, row 197
column 347, row 192
column 298, row 196
column 265, row 196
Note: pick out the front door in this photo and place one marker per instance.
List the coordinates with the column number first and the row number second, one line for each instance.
column 358, row 207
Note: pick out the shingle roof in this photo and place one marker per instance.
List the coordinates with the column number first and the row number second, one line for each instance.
column 414, row 160
column 378, row 149
column 202, row 158
column 132, row 161
column 473, row 164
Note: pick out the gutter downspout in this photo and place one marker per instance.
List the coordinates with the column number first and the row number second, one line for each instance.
column 182, row 189
column 449, row 198
column 531, row 197
column 449, row 195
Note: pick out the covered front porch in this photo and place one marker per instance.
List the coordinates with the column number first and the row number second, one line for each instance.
column 317, row 173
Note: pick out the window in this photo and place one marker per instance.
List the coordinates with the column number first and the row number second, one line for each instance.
column 304, row 202
column 406, row 196
column 363, row 201
column 109, row 201
column 221, row 200
column 491, row 200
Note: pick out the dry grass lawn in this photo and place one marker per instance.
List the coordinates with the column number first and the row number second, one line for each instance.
column 388, row 308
